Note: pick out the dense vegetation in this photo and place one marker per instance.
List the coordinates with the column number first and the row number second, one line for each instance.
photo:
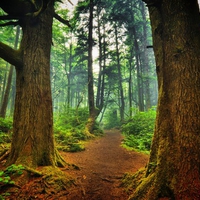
column 138, row 131
column 123, row 68
column 124, row 73
column 69, row 131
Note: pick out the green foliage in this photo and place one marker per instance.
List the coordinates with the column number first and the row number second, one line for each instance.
column 5, row 128
column 13, row 169
column 4, row 195
column 71, row 121
column 69, row 129
column 5, row 124
column 138, row 130
column 5, row 177
column 111, row 119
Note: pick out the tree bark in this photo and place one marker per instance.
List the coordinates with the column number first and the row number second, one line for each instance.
column 92, row 111
column 173, row 168
column 119, row 74
column 145, row 60
column 33, row 141
column 101, row 76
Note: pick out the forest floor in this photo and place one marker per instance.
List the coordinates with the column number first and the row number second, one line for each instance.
column 101, row 167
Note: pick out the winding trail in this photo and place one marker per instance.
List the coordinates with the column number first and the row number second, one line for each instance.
column 102, row 165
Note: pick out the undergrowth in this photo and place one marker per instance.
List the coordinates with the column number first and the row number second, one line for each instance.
column 138, row 131
column 6, row 177
column 5, row 130
column 69, row 129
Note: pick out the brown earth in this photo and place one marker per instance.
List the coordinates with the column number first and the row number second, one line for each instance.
column 101, row 167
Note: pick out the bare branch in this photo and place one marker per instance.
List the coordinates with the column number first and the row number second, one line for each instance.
column 10, row 55
column 60, row 19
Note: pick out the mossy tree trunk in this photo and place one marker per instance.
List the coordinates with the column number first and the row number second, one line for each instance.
column 33, row 141
column 173, row 169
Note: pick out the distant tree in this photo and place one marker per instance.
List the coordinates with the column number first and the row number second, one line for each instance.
column 173, row 168
column 92, row 110
column 119, row 74
column 101, row 32
column 33, row 141
column 9, row 81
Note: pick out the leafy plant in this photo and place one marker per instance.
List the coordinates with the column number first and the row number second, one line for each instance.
column 5, row 129
column 138, row 130
column 5, row 179
column 111, row 119
column 5, row 176
column 5, row 124
column 4, row 195
column 14, row 169
column 69, row 129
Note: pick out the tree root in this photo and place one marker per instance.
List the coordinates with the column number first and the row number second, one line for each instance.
column 144, row 189
column 4, row 155
column 152, row 187
column 60, row 162
column 33, row 171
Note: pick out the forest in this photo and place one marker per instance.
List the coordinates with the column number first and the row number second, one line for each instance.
column 99, row 99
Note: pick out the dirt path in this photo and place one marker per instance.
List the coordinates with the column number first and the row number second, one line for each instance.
column 102, row 165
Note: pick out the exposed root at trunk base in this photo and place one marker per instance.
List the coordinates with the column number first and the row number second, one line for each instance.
column 89, row 128
column 157, row 186
column 147, row 188
column 60, row 162
column 88, row 134
column 42, row 183
column 4, row 155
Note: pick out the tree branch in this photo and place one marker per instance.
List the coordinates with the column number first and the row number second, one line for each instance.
column 152, row 2
column 60, row 19
column 10, row 55
column 11, row 23
column 8, row 17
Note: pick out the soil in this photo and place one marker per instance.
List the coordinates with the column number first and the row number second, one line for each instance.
column 101, row 167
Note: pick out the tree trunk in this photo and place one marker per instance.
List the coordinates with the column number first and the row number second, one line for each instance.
column 145, row 60
column 101, row 76
column 173, row 169
column 33, row 142
column 138, row 66
column 91, row 103
column 130, row 89
column 69, row 77
column 121, row 91
column 4, row 86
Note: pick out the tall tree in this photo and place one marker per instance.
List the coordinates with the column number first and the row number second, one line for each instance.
column 33, row 141
column 173, row 168
column 91, row 102
column 102, row 58
column 119, row 73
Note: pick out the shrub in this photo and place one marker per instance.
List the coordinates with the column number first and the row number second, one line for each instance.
column 5, row 129
column 69, row 129
column 138, row 130
column 5, row 124
column 111, row 119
